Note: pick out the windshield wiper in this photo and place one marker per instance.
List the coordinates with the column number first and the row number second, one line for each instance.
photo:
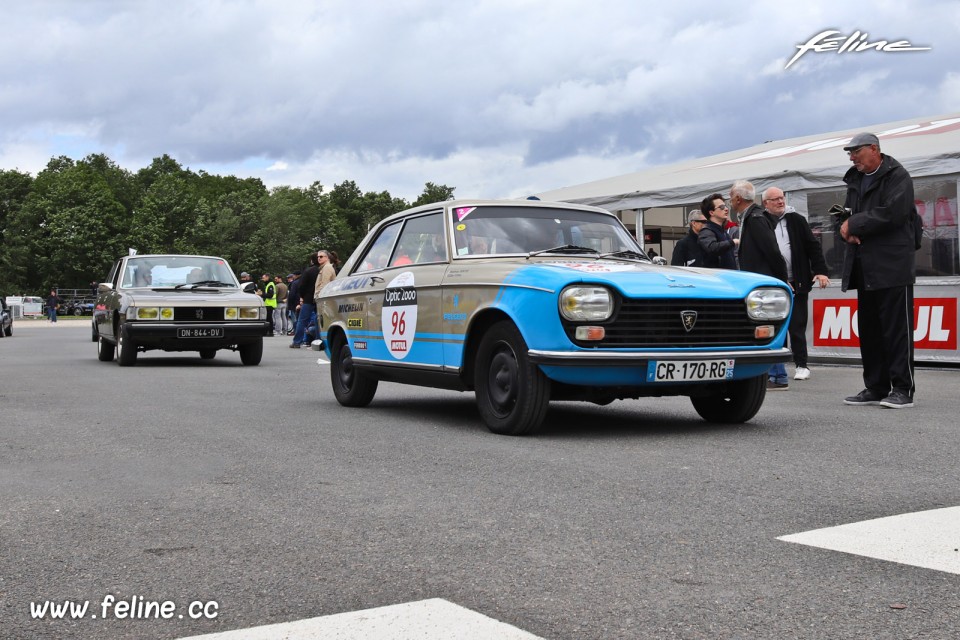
column 204, row 283
column 626, row 253
column 567, row 248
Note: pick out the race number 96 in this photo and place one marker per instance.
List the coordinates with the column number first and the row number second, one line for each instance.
column 399, row 315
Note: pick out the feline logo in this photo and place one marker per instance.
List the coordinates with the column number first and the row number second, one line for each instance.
column 831, row 40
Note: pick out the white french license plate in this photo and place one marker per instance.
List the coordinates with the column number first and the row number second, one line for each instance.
column 689, row 370
column 200, row 333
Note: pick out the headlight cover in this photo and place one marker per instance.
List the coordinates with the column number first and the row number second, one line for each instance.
column 770, row 303
column 581, row 303
column 149, row 313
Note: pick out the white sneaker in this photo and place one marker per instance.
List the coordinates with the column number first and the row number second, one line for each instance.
column 802, row 373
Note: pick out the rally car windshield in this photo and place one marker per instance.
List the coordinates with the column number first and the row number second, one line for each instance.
column 505, row 230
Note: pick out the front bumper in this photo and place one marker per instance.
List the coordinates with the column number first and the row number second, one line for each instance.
column 165, row 335
column 615, row 368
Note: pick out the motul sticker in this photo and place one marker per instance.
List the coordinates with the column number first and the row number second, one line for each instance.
column 835, row 323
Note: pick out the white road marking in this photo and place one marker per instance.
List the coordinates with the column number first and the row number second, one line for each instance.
column 433, row 619
column 928, row 539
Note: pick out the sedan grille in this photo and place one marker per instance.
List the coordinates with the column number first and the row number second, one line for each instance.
column 198, row 314
column 660, row 323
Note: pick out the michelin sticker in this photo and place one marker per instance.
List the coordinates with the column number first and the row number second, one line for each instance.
column 399, row 315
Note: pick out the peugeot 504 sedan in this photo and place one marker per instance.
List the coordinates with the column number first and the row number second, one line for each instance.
column 176, row 303
column 524, row 302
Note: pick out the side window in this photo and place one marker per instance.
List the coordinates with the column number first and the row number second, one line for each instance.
column 379, row 252
column 114, row 274
column 420, row 242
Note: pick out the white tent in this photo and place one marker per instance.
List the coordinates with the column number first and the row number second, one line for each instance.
column 810, row 169
column 927, row 146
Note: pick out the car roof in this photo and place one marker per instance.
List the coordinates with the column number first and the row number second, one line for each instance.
column 454, row 204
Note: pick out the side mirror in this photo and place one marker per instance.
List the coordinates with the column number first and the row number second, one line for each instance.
column 104, row 286
column 248, row 287
column 659, row 260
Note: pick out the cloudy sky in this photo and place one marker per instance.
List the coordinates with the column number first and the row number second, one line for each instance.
column 498, row 98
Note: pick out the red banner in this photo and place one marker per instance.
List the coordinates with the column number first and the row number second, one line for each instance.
column 934, row 319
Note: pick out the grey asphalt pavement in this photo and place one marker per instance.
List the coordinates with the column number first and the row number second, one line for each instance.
column 190, row 481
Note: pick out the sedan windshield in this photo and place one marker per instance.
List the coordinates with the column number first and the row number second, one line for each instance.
column 505, row 230
column 177, row 272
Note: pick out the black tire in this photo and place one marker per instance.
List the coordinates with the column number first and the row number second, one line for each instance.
column 512, row 392
column 94, row 334
column 250, row 354
column 208, row 354
column 8, row 331
column 105, row 350
column 737, row 402
column 351, row 387
column 126, row 350
column 77, row 311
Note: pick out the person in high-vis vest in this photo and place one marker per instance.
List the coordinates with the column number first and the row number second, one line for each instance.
column 269, row 295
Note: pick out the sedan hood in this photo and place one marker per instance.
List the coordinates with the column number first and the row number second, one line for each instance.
column 636, row 279
column 192, row 297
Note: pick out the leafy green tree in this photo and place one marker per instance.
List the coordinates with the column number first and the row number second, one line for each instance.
column 434, row 193
column 77, row 226
column 15, row 187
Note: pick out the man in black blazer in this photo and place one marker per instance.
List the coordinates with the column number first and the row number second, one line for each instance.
column 803, row 256
column 759, row 253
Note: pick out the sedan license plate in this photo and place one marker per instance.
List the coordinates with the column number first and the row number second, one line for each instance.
column 689, row 370
column 200, row 333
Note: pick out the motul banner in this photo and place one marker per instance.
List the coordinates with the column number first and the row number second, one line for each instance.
column 835, row 324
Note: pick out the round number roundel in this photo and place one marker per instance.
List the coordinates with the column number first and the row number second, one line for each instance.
column 398, row 317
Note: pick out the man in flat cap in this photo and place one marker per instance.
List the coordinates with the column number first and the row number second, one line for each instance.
column 880, row 233
column 687, row 251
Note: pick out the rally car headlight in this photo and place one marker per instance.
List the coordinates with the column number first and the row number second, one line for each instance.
column 768, row 304
column 586, row 304
column 149, row 313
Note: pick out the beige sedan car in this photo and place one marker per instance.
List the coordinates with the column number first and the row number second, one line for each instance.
column 176, row 303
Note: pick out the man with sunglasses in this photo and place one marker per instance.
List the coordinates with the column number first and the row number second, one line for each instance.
column 879, row 262
column 687, row 252
column 717, row 246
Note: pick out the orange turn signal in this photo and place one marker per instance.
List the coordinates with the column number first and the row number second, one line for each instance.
column 764, row 332
column 590, row 333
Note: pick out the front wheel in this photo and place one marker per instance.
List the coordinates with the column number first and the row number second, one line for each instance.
column 208, row 354
column 105, row 350
column 250, row 354
column 512, row 392
column 736, row 402
column 351, row 387
column 126, row 350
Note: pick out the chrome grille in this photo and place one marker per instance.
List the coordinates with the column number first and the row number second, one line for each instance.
column 658, row 323
column 198, row 314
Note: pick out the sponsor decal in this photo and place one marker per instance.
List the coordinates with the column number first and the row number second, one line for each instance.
column 360, row 345
column 835, row 41
column 348, row 284
column 398, row 317
column 355, row 323
column 350, row 307
column 835, row 323
column 463, row 212
column 455, row 317
column 593, row 267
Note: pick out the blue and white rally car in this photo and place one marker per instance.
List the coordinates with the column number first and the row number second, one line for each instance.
column 527, row 301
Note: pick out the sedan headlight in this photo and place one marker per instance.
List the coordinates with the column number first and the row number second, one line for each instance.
column 768, row 304
column 586, row 304
column 241, row 313
column 149, row 313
